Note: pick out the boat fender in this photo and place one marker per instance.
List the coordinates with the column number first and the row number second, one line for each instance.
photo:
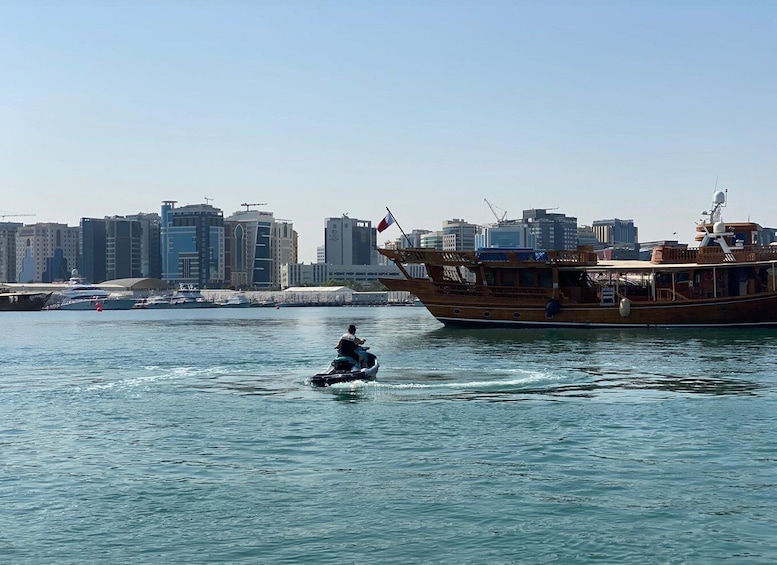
column 552, row 308
column 625, row 307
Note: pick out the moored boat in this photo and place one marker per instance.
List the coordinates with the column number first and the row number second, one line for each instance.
column 23, row 301
column 155, row 302
column 189, row 296
column 80, row 295
column 730, row 279
column 235, row 301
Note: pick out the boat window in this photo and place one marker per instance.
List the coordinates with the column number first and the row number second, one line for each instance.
column 490, row 279
column 682, row 277
column 508, row 278
column 545, row 279
column 526, row 279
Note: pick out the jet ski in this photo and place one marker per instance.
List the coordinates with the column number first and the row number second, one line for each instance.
column 344, row 370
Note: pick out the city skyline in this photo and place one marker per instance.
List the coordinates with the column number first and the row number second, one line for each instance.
column 388, row 236
column 608, row 109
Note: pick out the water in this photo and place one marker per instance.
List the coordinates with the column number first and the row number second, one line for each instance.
column 193, row 437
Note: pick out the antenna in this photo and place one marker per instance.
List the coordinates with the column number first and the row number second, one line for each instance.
column 247, row 205
column 493, row 211
column 719, row 200
column 208, row 200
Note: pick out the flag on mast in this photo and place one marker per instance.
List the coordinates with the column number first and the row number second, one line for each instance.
column 385, row 222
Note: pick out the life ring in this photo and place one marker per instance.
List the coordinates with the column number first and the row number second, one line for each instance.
column 708, row 276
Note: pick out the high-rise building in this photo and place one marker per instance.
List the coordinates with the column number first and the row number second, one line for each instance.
column 411, row 240
column 349, row 241
column 508, row 234
column 8, row 250
column 91, row 261
column 432, row 240
column 248, row 249
column 256, row 246
column 192, row 241
column 551, row 231
column 586, row 236
column 284, row 248
column 150, row 246
column 458, row 235
column 110, row 248
column 46, row 252
column 615, row 232
column 122, row 248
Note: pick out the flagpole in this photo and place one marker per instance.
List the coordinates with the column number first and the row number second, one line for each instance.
column 400, row 227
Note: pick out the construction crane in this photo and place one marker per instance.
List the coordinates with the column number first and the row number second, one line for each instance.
column 247, row 205
column 4, row 216
column 493, row 211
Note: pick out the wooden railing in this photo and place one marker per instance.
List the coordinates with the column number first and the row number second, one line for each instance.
column 713, row 254
column 583, row 256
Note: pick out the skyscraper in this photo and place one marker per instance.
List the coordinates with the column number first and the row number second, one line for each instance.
column 192, row 240
column 46, row 252
column 507, row 234
column 122, row 248
column 150, row 246
column 91, row 262
column 551, row 231
column 8, row 251
column 349, row 241
column 248, row 251
column 615, row 231
column 110, row 248
column 458, row 235
column 256, row 247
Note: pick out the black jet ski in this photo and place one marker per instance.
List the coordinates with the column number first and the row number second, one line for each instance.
column 344, row 370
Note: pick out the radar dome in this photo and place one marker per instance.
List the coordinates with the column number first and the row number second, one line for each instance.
column 719, row 197
column 719, row 227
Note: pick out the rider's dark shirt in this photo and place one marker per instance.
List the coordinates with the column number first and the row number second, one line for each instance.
column 347, row 346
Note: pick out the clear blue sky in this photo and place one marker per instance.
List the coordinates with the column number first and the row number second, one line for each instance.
column 601, row 109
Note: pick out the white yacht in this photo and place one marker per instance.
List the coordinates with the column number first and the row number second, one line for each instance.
column 189, row 296
column 80, row 295
column 154, row 302
column 236, row 301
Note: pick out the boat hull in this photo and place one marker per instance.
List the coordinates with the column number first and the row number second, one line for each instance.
column 333, row 376
column 482, row 311
column 189, row 304
column 23, row 301
column 92, row 304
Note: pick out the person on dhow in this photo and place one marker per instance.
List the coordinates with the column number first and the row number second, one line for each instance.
column 349, row 346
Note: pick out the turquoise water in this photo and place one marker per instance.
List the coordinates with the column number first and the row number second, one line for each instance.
column 193, row 437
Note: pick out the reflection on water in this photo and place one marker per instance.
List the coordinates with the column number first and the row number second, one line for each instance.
column 684, row 385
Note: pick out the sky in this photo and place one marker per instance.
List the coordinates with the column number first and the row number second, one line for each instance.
column 598, row 110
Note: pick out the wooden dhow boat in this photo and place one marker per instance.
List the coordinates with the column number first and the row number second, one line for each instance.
column 20, row 301
column 730, row 279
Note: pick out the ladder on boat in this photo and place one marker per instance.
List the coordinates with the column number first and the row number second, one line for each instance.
column 607, row 297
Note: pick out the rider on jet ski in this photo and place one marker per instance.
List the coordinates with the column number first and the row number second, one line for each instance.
column 350, row 346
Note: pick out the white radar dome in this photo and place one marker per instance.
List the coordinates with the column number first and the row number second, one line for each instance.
column 719, row 227
column 719, row 197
